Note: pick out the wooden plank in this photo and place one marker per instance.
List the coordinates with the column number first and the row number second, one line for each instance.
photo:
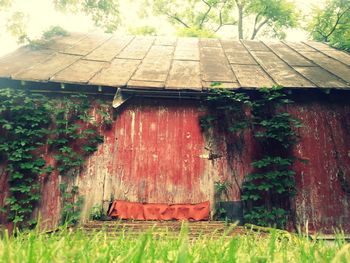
column 21, row 60
column 338, row 55
column 159, row 52
column 137, row 49
column 88, row 44
column 140, row 84
column 214, row 65
column 184, row 75
column 165, row 41
column 242, row 58
column 288, row 55
column 80, row 72
column 255, row 45
column 234, row 45
column 187, row 54
column 252, row 76
column 298, row 46
column 64, row 42
column 117, row 74
column 332, row 65
column 321, row 77
column 156, row 64
column 279, row 71
column 187, row 49
column 109, row 49
column 318, row 45
column 187, row 41
column 45, row 70
column 210, row 42
column 236, row 53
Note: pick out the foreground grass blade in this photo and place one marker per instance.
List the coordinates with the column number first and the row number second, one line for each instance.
column 153, row 246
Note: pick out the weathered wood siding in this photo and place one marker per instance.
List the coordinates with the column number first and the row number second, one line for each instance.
column 325, row 142
column 156, row 152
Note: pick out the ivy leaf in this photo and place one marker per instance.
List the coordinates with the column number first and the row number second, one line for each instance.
column 7, row 126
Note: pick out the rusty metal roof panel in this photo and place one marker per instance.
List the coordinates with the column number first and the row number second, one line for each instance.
column 169, row 63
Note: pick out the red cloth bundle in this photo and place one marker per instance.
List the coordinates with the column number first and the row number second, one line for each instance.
column 139, row 211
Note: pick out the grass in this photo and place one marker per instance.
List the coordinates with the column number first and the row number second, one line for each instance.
column 77, row 246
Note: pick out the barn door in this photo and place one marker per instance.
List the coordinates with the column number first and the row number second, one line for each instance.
column 158, row 155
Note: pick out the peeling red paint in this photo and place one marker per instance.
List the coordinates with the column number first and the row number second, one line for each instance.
column 155, row 152
column 158, row 153
column 325, row 143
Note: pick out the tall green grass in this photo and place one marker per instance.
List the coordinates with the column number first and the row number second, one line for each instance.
column 78, row 246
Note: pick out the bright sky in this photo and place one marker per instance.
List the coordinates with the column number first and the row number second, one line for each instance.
column 42, row 15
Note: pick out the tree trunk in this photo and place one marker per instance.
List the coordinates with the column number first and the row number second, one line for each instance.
column 240, row 21
column 254, row 34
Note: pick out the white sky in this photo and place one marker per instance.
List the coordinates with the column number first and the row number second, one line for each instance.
column 42, row 15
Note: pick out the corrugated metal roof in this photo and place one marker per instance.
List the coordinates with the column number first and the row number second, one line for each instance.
column 178, row 63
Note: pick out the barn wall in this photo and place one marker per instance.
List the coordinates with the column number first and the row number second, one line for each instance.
column 156, row 152
column 325, row 142
column 3, row 191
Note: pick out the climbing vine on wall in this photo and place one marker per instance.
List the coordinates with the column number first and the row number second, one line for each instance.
column 267, row 191
column 33, row 127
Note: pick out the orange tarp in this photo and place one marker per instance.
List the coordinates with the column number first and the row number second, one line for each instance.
column 140, row 211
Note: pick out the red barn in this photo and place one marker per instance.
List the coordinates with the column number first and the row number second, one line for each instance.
column 155, row 151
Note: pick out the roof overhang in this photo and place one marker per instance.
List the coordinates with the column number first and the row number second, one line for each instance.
column 176, row 66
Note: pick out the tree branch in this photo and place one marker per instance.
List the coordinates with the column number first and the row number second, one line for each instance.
column 178, row 20
column 339, row 16
column 321, row 33
column 206, row 13
column 221, row 22
column 256, row 30
column 256, row 21
column 224, row 24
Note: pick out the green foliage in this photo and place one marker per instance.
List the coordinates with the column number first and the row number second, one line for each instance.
column 63, row 127
column 100, row 246
column 228, row 106
column 268, row 189
column 222, row 188
column 194, row 32
column 276, row 15
column 203, row 18
column 196, row 17
column 262, row 217
column 23, row 123
column 72, row 204
column 5, row 4
column 17, row 27
column 332, row 24
column 96, row 212
column 143, row 30
column 54, row 31
column 271, row 187
column 104, row 13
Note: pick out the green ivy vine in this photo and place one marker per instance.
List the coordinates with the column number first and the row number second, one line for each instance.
column 267, row 192
column 33, row 127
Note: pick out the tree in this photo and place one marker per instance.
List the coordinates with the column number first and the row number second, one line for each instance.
column 272, row 15
column 104, row 13
column 276, row 15
column 194, row 17
column 5, row 4
column 17, row 27
column 332, row 24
